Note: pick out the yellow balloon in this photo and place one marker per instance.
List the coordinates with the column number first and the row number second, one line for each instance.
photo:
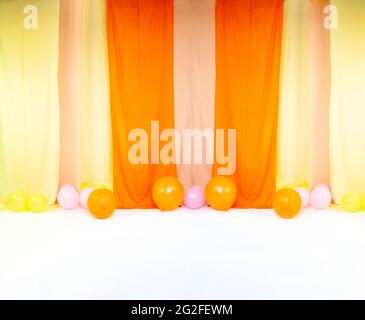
column 363, row 202
column 304, row 185
column 351, row 202
column 37, row 203
column 17, row 201
column 298, row 185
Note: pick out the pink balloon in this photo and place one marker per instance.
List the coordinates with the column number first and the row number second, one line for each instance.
column 84, row 196
column 194, row 198
column 68, row 198
column 320, row 198
column 304, row 195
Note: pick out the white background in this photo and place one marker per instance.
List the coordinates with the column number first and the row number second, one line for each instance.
column 244, row 254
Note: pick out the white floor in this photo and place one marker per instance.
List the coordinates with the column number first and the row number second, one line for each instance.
column 244, row 254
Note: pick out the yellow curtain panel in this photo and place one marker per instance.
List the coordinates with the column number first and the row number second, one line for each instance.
column 95, row 122
column 293, row 128
column 347, row 112
column 194, row 79
column 86, row 158
column 303, row 134
column 140, row 40
column 319, row 93
column 248, row 44
column 29, row 108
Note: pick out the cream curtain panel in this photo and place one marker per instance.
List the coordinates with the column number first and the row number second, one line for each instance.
column 29, row 108
column 293, row 127
column 347, row 114
column 194, row 77
column 303, row 132
column 84, row 89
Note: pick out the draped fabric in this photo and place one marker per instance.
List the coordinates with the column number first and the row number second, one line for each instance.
column 248, row 43
column 95, row 124
column 69, row 85
column 293, row 130
column 194, row 78
column 319, row 94
column 29, row 109
column 101, row 93
column 84, row 94
column 140, row 40
column 304, row 96
column 347, row 111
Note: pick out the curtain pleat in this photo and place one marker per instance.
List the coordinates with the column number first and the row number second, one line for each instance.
column 248, row 43
column 140, row 40
column 347, row 110
column 29, row 109
column 194, row 78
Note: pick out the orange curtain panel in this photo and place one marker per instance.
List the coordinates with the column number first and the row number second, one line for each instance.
column 140, row 40
column 248, row 48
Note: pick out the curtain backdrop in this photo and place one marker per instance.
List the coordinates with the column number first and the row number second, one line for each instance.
column 194, row 77
column 140, row 39
column 84, row 94
column 347, row 113
column 248, row 36
column 29, row 109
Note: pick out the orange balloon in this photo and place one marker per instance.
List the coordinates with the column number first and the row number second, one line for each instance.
column 168, row 193
column 101, row 203
column 287, row 203
column 221, row 193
